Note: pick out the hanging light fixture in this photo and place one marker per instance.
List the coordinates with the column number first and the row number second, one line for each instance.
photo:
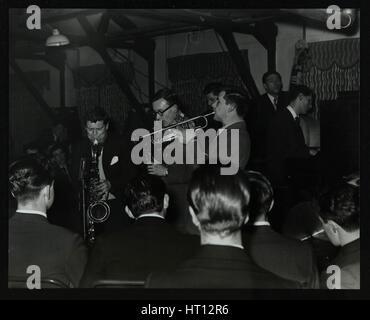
column 56, row 40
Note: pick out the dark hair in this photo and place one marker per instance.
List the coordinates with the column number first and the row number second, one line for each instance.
column 33, row 145
column 262, row 194
column 269, row 73
column 213, row 87
column 57, row 146
column 219, row 201
column 167, row 94
column 237, row 99
column 27, row 176
column 96, row 114
column 297, row 89
column 144, row 194
column 341, row 205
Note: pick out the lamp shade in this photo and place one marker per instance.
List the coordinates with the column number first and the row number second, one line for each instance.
column 56, row 39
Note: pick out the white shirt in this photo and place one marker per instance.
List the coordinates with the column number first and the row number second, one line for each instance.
column 40, row 213
column 292, row 112
column 261, row 223
column 272, row 99
column 156, row 215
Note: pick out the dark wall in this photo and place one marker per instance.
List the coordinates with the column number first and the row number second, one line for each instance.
column 340, row 138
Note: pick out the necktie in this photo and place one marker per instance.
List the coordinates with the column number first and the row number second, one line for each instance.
column 297, row 120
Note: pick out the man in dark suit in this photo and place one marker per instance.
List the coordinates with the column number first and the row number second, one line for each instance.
column 59, row 253
column 340, row 216
column 218, row 206
column 287, row 258
column 263, row 110
column 286, row 147
column 230, row 109
column 150, row 244
column 114, row 165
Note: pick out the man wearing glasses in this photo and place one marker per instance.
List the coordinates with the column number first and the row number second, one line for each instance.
column 166, row 109
column 114, row 165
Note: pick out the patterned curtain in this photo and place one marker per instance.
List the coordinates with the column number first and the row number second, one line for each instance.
column 334, row 66
column 189, row 75
column 26, row 119
column 96, row 86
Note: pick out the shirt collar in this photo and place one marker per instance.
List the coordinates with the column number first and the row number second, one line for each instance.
column 239, row 246
column 230, row 124
column 152, row 215
column 261, row 223
column 292, row 112
column 272, row 98
column 32, row 212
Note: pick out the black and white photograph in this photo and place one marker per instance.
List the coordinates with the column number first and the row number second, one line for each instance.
column 183, row 148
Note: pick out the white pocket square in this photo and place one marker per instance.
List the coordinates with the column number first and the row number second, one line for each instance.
column 114, row 160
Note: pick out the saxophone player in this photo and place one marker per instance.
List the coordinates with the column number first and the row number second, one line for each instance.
column 113, row 163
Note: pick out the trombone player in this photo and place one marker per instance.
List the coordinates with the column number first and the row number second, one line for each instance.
column 166, row 108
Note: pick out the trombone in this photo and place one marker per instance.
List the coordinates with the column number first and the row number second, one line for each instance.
column 171, row 136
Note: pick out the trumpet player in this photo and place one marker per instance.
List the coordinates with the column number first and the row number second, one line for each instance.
column 113, row 162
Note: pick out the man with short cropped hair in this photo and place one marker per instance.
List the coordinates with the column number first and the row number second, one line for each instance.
column 59, row 253
column 149, row 244
column 219, row 208
column 340, row 216
column 287, row 258
column 285, row 141
column 230, row 108
column 263, row 110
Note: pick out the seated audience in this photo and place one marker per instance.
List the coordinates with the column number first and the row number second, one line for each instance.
column 149, row 244
column 219, row 208
column 287, row 258
column 340, row 216
column 59, row 253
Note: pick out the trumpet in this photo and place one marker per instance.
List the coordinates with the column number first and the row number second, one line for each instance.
column 183, row 124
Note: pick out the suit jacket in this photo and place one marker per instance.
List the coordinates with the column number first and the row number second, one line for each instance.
column 150, row 244
column 258, row 120
column 117, row 164
column 348, row 260
column 225, row 136
column 287, row 258
column 59, row 253
column 218, row 267
column 285, row 142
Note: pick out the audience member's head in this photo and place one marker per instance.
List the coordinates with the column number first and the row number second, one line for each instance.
column 146, row 194
column 166, row 107
column 272, row 82
column 97, row 124
column 340, row 214
column 231, row 106
column 218, row 203
column 58, row 154
column 262, row 197
column 211, row 91
column 32, row 148
column 31, row 183
column 300, row 98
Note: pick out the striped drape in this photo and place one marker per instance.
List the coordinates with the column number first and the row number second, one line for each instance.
column 334, row 66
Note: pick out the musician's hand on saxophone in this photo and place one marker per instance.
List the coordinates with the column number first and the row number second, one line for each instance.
column 102, row 189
